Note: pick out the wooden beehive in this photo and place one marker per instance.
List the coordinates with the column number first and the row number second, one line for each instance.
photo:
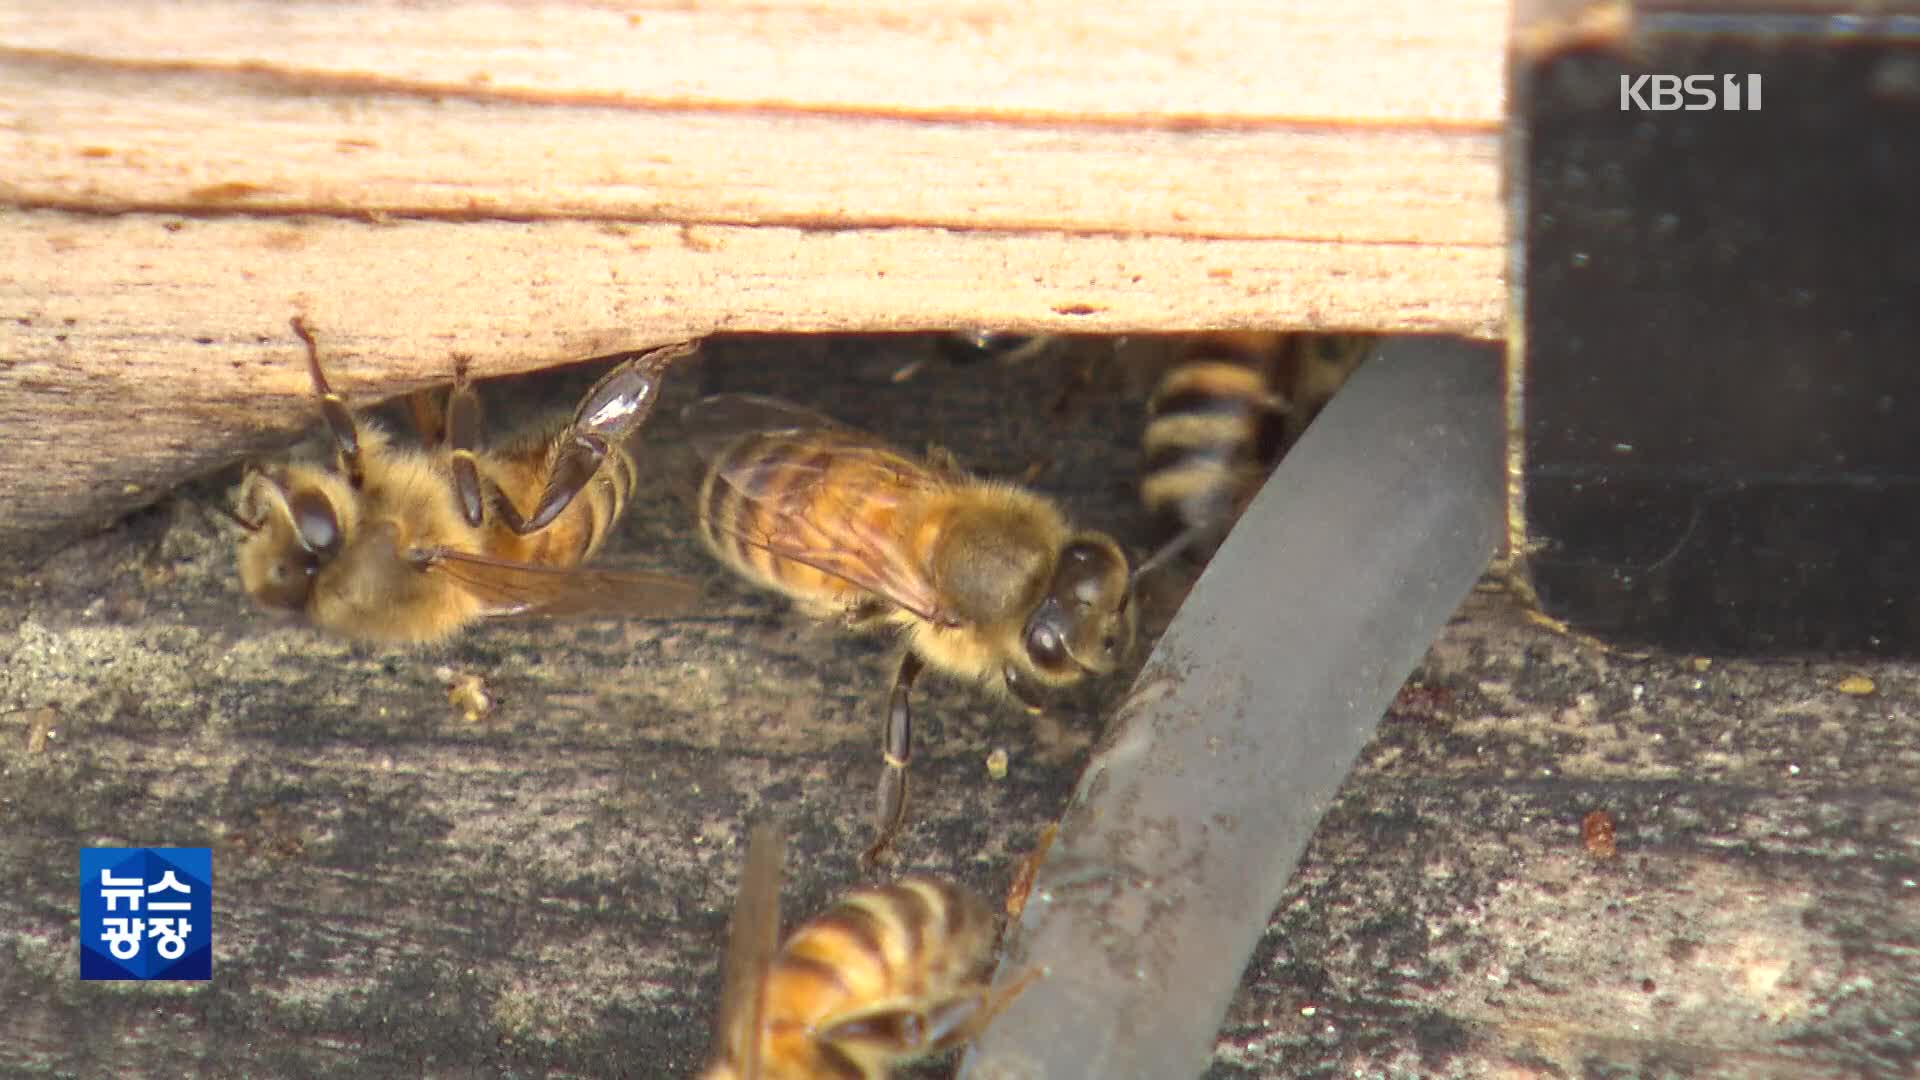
column 528, row 875
column 532, row 183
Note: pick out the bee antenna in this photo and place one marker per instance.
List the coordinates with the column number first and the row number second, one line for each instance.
column 227, row 512
column 276, row 503
column 217, row 511
column 1167, row 551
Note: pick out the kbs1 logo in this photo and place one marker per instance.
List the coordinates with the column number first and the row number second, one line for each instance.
column 146, row 913
column 1694, row 93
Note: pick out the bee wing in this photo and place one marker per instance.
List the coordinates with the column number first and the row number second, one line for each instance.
column 712, row 423
column 814, row 516
column 818, row 526
column 513, row 588
column 706, row 427
column 751, row 943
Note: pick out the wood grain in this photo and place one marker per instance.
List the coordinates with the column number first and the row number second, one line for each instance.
column 530, row 184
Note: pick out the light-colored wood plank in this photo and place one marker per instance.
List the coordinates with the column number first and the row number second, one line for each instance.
column 125, row 140
column 535, row 183
column 1149, row 62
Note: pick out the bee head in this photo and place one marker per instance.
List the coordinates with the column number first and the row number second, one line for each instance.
column 1086, row 621
column 293, row 531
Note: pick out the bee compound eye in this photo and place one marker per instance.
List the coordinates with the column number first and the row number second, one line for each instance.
column 1086, row 592
column 314, row 519
column 1084, row 576
column 1045, row 645
column 1081, row 553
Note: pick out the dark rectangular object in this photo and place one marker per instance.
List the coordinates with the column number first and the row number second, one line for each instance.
column 1720, row 429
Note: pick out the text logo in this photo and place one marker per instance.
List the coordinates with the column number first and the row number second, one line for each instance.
column 1694, row 93
column 146, row 913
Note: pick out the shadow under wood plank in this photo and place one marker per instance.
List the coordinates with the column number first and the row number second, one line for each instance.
column 543, row 890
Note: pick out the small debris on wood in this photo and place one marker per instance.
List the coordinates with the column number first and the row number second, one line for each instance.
column 40, row 729
column 1597, row 832
column 466, row 692
column 1856, row 685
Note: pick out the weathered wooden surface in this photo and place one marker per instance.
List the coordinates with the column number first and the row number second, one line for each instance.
column 536, row 183
column 543, row 891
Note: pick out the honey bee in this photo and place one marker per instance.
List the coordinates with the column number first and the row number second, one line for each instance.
column 967, row 347
column 409, row 544
column 984, row 580
column 889, row 974
column 1226, row 409
column 1002, row 346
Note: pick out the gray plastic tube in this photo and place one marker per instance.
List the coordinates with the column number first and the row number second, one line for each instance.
column 1180, row 838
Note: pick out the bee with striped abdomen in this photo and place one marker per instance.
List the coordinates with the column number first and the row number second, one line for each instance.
column 889, row 974
column 986, row 580
column 1225, row 410
column 410, row 544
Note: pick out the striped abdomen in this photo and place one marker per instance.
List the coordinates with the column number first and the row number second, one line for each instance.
column 912, row 942
column 829, row 499
column 573, row 537
column 1214, row 428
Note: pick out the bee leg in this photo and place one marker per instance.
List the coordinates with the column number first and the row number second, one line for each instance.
column 429, row 416
column 616, row 407
column 333, row 408
column 864, row 614
column 1086, row 360
column 906, row 1031
column 572, row 469
column 897, row 751
column 463, row 439
column 1026, row 870
column 952, row 1022
column 909, row 369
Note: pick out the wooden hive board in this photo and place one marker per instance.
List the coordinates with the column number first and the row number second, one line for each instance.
column 534, row 183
